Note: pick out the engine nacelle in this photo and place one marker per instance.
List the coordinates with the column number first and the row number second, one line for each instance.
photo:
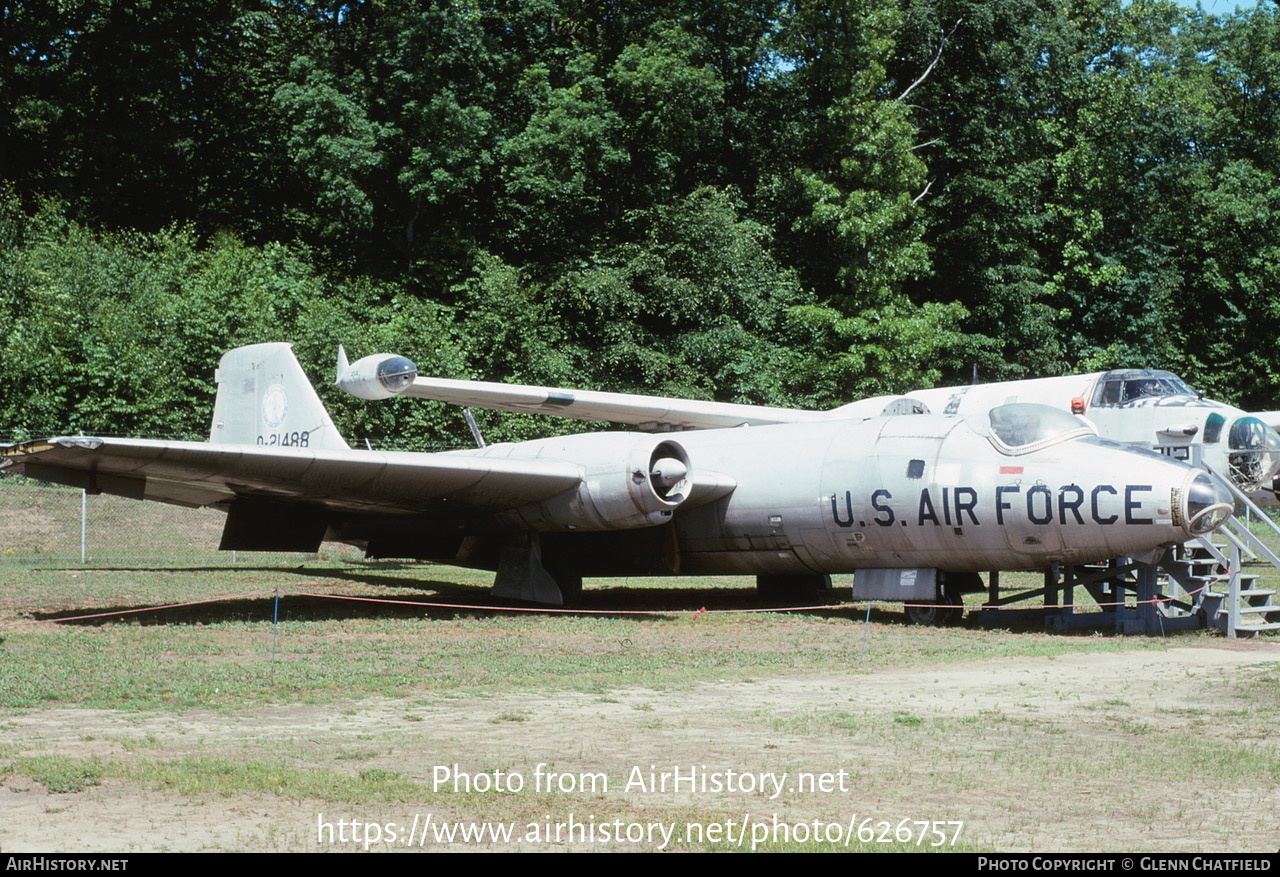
column 379, row 376
column 629, row 481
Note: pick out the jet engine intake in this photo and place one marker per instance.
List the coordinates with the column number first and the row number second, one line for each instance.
column 643, row 492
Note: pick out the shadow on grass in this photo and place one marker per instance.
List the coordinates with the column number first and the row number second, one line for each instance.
column 432, row 599
column 443, row 600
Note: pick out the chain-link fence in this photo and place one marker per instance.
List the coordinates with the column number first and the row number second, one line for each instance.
column 46, row 524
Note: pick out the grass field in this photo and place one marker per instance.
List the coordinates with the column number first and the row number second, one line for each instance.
column 208, row 726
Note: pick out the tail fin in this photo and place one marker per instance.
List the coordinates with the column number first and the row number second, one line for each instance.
column 264, row 398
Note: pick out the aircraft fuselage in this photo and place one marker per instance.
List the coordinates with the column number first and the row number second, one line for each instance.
column 889, row 492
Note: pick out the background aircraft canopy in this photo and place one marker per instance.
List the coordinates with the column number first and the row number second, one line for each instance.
column 1128, row 386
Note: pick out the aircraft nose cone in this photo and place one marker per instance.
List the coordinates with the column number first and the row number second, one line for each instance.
column 1209, row 504
column 1255, row 453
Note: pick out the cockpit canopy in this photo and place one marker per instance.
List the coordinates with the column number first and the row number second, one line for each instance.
column 1123, row 387
column 1023, row 427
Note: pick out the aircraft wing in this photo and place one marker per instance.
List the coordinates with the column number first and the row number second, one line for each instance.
column 649, row 413
column 201, row 474
column 384, row 375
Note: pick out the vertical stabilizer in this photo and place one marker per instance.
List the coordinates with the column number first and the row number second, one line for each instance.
column 264, row 398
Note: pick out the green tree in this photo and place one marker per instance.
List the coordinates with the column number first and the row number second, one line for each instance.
column 1225, row 229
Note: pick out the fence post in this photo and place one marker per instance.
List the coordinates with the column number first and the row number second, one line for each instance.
column 84, row 526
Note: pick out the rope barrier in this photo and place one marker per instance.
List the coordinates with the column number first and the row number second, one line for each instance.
column 218, row 599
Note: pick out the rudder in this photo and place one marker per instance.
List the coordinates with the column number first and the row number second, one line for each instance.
column 265, row 399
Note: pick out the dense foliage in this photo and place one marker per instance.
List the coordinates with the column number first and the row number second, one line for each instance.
column 790, row 203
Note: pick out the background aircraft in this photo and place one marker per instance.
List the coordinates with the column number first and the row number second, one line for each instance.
column 1147, row 407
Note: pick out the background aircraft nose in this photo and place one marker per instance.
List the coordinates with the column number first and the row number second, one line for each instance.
column 1254, row 453
column 1209, row 504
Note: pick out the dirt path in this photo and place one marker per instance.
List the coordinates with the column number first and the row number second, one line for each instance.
column 1078, row 752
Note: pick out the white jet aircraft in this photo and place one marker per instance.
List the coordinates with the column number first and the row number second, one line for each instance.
column 919, row 502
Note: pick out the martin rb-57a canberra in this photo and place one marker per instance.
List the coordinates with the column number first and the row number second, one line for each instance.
column 878, row 486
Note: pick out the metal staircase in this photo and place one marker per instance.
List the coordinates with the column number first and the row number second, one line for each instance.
column 1211, row 571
